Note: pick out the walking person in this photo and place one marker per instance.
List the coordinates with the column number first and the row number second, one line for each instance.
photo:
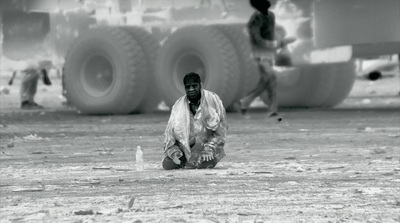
column 261, row 28
column 30, row 78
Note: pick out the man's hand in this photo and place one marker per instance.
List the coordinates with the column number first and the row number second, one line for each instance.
column 11, row 81
column 46, row 79
column 175, row 157
column 205, row 156
column 287, row 41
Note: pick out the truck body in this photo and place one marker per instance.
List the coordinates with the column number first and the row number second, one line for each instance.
column 124, row 56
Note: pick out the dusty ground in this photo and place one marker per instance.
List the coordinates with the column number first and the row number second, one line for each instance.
column 330, row 165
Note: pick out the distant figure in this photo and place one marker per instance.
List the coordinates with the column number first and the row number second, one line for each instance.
column 196, row 130
column 64, row 89
column 29, row 82
column 261, row 27
column 28, row 89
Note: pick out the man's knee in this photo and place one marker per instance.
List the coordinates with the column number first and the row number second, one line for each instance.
column 169, row 164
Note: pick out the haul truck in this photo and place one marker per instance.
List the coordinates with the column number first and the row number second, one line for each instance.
column 124, row 56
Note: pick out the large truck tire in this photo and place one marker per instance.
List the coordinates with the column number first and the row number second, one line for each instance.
column 104, row 72
column 304, row 86
column 345, row 78
column 249, row 75
column 314, row 85
column 150, row 47
column 200, row 49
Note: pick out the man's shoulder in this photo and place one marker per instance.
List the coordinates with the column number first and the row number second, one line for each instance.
column 271, row 14
column 178, row 104
column 255, row 16
column 180, row 99
column 212, row 93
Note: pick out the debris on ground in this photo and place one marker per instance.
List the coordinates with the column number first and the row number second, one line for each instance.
column 10, row 144
column 130, row 203
column 379, row 151
column 84, row 212
column 37, row 188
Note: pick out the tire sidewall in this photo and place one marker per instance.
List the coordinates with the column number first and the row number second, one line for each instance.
column 97, row 42
column 186, row 41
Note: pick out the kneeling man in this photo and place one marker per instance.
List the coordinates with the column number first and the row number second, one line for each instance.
column 196, row 130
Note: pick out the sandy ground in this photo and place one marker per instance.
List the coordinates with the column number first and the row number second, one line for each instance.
column 317, row 165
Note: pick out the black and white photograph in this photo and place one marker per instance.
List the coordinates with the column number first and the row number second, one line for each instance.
column 200, row 111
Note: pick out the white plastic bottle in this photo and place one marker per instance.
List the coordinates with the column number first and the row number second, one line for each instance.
column 139, row 159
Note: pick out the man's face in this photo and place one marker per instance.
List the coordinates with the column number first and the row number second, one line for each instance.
column 193, row 89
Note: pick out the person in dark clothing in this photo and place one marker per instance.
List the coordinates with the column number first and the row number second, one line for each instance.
column 29, row 87
column 262, row 28
column 30, row 77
